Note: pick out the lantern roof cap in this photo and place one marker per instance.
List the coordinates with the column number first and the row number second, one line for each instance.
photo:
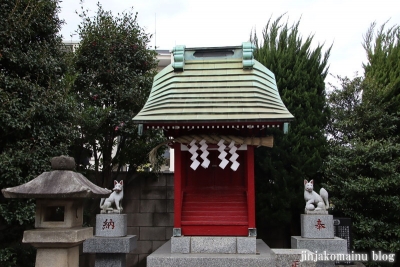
column 61, row 182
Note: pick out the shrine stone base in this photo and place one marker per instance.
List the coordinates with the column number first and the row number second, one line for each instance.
column 264, row 257
column 214, row 244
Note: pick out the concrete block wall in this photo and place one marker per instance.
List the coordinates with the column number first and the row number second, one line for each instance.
column 149, row 204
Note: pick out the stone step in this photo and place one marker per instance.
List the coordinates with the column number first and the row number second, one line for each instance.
column 264, row 257
column 214, row 244
column 238, row 212
column 221, row 218
column 163, row 257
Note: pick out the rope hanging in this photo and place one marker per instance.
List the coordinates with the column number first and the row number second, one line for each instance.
column 267, row 141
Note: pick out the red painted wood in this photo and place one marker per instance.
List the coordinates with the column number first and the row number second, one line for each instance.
column 214, row 223
column 177, row 185
column 250, row 187
column 213, row 209
column 212, row 219
column 213, row 176
column 222, row 230
column 215, row 200
column 231, row 213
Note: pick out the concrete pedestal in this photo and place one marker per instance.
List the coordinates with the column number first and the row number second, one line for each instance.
column 317, row 235
column 59, row 257
column 293, row 257
column 110, row 245
column 112, row 225
column 163, row 257
column 323, row 248
column 58, row 246
column 329, row 245
column 110, row 260
column 316, row 226
column 111, row 242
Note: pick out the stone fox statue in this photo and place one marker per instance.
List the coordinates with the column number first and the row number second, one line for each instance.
column 114, row 199
column 313, row 200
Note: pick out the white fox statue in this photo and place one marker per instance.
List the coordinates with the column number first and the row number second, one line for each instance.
column 114, row 199
column 315, row 202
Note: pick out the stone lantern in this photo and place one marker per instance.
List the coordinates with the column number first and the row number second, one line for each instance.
column 59, row 198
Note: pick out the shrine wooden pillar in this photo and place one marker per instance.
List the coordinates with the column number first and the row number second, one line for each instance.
column 177, row 185
column 251, row 204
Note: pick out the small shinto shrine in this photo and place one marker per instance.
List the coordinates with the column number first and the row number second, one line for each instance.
column 215, row 105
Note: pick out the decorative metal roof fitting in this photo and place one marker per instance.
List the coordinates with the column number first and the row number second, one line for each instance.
column 179, row 57
column 248, row 57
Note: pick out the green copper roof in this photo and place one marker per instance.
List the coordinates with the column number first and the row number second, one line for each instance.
column 214, row 84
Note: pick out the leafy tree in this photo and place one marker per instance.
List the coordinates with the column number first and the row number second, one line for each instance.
column 300, row 71
column 34, row 110
column 114, row 74
column 383, row 66
column 362, row 169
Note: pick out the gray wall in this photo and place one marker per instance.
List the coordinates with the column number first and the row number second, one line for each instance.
column 149, row 203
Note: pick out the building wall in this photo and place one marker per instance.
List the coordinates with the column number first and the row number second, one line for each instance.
column 149, row 203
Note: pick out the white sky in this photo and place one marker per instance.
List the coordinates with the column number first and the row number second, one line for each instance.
column 206, row 23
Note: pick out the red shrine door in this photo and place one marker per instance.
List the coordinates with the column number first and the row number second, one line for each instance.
column 214, row 201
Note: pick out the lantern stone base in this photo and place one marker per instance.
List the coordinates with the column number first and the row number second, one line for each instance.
column 57, row 257
column 60, row 237
column 60, row 247
column 213, row 244
column 163, row 257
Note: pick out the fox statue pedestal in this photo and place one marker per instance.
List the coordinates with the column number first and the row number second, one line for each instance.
column 111, row 242
column 317, row 236
column 317, row 229
column 316, row 226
